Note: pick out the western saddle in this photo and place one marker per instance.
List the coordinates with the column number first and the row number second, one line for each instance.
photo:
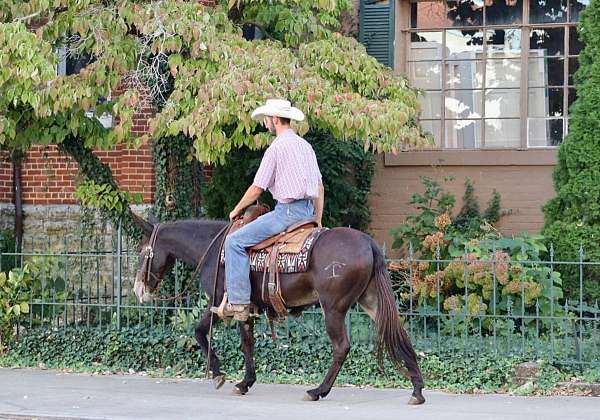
column 290, row 241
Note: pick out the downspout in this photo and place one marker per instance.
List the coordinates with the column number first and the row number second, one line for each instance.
column 17, row 160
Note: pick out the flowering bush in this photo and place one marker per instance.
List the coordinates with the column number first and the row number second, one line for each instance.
column 465, row 266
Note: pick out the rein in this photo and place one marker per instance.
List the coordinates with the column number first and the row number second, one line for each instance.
column 150, row 255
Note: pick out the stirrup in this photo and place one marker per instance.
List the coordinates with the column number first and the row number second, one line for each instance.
column 220, row 310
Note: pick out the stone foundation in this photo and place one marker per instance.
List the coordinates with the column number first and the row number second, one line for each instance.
column 60, row 227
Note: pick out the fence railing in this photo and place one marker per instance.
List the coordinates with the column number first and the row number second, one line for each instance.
column 508, row 306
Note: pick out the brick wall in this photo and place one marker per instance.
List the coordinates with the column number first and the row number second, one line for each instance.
column 524, row 189
column 48, row 176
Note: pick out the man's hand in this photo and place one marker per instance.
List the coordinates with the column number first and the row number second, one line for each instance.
column 234, row 213
column 249, row 197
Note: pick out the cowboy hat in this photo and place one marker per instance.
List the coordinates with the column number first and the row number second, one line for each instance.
column 278, row 108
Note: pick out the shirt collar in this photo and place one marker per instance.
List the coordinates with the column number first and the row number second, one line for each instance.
column 286, row 134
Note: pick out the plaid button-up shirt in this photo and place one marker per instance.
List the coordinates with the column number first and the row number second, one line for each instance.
column 289, row 169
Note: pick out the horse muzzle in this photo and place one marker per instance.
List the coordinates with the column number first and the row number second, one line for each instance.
column 141, row 291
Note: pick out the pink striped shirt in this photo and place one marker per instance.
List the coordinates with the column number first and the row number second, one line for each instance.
column 289, row 169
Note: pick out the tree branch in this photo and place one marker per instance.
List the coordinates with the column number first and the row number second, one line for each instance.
column 31, row 16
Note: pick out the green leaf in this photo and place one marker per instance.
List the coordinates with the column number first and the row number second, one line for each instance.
column 24, row 307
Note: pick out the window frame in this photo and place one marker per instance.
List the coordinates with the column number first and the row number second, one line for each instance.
column 547, row 153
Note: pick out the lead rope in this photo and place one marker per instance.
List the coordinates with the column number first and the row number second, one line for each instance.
column 214, row 295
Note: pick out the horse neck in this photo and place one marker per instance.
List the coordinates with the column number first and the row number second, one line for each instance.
column 190, row 242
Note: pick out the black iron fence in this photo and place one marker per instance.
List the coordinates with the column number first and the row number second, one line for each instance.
column 500, row 304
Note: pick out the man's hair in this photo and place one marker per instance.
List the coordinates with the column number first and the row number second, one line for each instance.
column 284, row 120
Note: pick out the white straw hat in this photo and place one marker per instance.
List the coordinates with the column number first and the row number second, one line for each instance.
column 278, row 108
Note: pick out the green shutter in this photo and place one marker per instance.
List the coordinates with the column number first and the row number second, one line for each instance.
column 377, row 29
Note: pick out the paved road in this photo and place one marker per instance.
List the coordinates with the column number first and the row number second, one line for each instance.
column 26, row 393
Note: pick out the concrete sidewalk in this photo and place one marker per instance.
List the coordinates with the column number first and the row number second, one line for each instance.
column 26, row 393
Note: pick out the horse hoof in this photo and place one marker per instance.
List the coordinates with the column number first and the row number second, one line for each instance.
column 218, row 381
column 416, row 401
column 237, row 391
column 309, row 397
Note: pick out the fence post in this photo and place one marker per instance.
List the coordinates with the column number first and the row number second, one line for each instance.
column 119, row 274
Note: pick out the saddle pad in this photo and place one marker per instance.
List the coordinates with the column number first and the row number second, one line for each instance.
column 287, row 262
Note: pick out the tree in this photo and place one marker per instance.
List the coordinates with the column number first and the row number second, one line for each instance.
column 572, row 218
column 200, row 71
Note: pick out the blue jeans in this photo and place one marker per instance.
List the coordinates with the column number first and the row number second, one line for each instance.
column 237, row 262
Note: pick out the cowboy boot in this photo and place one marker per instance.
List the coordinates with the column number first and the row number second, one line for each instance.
column 239, row 312
column 228, row 310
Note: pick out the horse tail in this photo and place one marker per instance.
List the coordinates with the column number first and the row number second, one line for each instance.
column 391, row 336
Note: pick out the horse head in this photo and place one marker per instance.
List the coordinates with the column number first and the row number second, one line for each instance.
column 154, row 260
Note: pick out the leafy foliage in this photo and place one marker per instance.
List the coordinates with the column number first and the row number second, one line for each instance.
column 297, row 359
column 434, row 209
column 346, row 168
column 13, row 301
column 178, row 178
column 103, row 196
column 7, row 244
column 572, row 218
column 217, row 77
column 487, row 274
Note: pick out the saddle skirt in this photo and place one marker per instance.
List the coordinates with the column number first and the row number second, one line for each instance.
column 294, row 247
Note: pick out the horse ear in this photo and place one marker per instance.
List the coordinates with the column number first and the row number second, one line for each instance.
column 146, row 227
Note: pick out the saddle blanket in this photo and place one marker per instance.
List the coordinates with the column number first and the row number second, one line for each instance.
column 287, row 262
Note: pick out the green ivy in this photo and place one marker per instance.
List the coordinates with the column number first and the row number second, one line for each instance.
column 91, row 168
column 178, row 181
column 14, row 299
column 105, row 197
column 297, row 358
column 346, row 168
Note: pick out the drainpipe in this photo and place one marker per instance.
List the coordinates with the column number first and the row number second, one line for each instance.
column 17, row 160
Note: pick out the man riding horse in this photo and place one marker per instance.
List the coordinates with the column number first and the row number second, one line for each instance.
column 345, row 267
column 289, row 170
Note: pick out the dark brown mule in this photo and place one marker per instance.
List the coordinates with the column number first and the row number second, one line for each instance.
column 346, row 267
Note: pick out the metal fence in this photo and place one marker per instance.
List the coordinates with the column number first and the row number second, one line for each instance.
column 479, row 311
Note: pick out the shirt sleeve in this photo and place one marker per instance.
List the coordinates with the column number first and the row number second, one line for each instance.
column 316, row 163
column 266, row 171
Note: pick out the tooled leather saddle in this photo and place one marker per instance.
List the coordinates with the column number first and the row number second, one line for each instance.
column 286, row 252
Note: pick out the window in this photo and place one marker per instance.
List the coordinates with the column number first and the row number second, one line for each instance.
column 68, row 66
column 495, row 73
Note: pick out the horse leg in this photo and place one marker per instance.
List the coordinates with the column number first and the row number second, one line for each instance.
column 336, row 329
column 368, row 301
column 202, row 330
column 247, row 346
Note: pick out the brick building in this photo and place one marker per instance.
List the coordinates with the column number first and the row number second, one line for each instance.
column 497, row 82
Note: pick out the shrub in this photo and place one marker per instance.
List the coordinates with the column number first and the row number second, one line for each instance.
column 7, row 244
column 13, row 302
column 487, row 273
column 572, row 218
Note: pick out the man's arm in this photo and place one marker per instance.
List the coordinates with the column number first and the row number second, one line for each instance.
column 318, row 203
column 251, row 195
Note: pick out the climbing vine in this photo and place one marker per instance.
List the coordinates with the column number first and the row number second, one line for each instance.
column 178, row 178
column 97, row 178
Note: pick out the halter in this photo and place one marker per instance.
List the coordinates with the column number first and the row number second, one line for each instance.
column 148, row 252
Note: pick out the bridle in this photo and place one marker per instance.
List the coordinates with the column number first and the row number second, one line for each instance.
column 148, row 253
